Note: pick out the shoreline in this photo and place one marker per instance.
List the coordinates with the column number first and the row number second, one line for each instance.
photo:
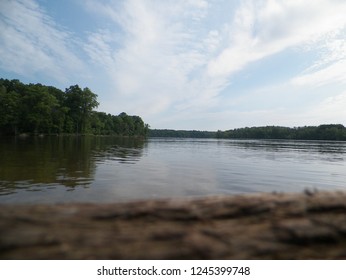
column 310, row 225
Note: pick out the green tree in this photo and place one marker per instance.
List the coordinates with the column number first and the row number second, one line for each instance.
column 9, row 111
column 59, row 112
column 80, row 104
column 89, row 102
column 38, row 108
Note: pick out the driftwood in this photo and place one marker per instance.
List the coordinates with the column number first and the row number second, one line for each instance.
column 267, row 226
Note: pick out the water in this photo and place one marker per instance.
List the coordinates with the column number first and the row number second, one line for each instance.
column 105, row 169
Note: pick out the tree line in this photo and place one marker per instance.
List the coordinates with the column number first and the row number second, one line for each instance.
column 181, row 133
column 333, row 132
column 41, row 109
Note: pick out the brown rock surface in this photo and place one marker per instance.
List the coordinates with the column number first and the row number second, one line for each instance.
column 266, row 226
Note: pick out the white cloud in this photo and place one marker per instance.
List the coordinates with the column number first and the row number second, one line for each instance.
column 330, row 68
column 152, row 66
column 32, row 43
column 176, row 57
column 335, row 73
column 330, row 110
column 264, row 28
column 99, row 48
column 165, row 61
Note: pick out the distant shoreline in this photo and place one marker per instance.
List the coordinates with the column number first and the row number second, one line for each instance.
column 332, row 132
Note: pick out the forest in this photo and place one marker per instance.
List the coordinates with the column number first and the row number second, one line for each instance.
column 181, row 133
column 41, row 109
column 333, row 132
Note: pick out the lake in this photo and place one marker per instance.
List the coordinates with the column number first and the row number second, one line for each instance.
column 106, row 169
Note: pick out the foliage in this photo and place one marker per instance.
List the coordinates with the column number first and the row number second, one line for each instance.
column 36, row 108
column 335, row 132
column 181, row 133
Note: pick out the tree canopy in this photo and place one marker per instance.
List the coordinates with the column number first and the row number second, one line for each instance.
column 333, row 132
column 36, row 108
column 181, row 133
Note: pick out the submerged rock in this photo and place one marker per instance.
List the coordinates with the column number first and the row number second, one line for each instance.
column 262, row 226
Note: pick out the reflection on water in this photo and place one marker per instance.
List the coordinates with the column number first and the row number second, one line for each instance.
column 32, row 164
column 293, row 145
column 321, row 150
column 106, row 169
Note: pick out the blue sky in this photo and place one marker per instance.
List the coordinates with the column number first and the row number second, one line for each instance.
column 186, row 64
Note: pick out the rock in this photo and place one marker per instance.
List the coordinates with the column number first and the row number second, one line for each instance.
column 261, row 226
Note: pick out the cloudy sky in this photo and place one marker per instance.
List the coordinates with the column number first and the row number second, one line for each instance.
column 186, row 64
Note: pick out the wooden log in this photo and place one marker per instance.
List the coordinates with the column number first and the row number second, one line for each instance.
column 264, row 226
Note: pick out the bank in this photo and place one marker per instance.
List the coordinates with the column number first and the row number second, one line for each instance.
column 310, row 225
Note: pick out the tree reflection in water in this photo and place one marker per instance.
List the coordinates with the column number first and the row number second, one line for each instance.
column 70, row 161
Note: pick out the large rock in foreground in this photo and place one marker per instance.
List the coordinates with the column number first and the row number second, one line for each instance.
column 267, row 226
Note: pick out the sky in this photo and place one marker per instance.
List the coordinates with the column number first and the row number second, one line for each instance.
column 186, row 64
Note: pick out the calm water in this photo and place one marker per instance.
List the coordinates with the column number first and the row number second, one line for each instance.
column 103, row 169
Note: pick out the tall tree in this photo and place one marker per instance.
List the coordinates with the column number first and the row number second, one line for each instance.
column 9, row 110
column 89, row 102
column 38, row 109
column 81, row 104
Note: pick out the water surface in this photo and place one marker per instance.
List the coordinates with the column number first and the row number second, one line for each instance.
column 106, row 169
